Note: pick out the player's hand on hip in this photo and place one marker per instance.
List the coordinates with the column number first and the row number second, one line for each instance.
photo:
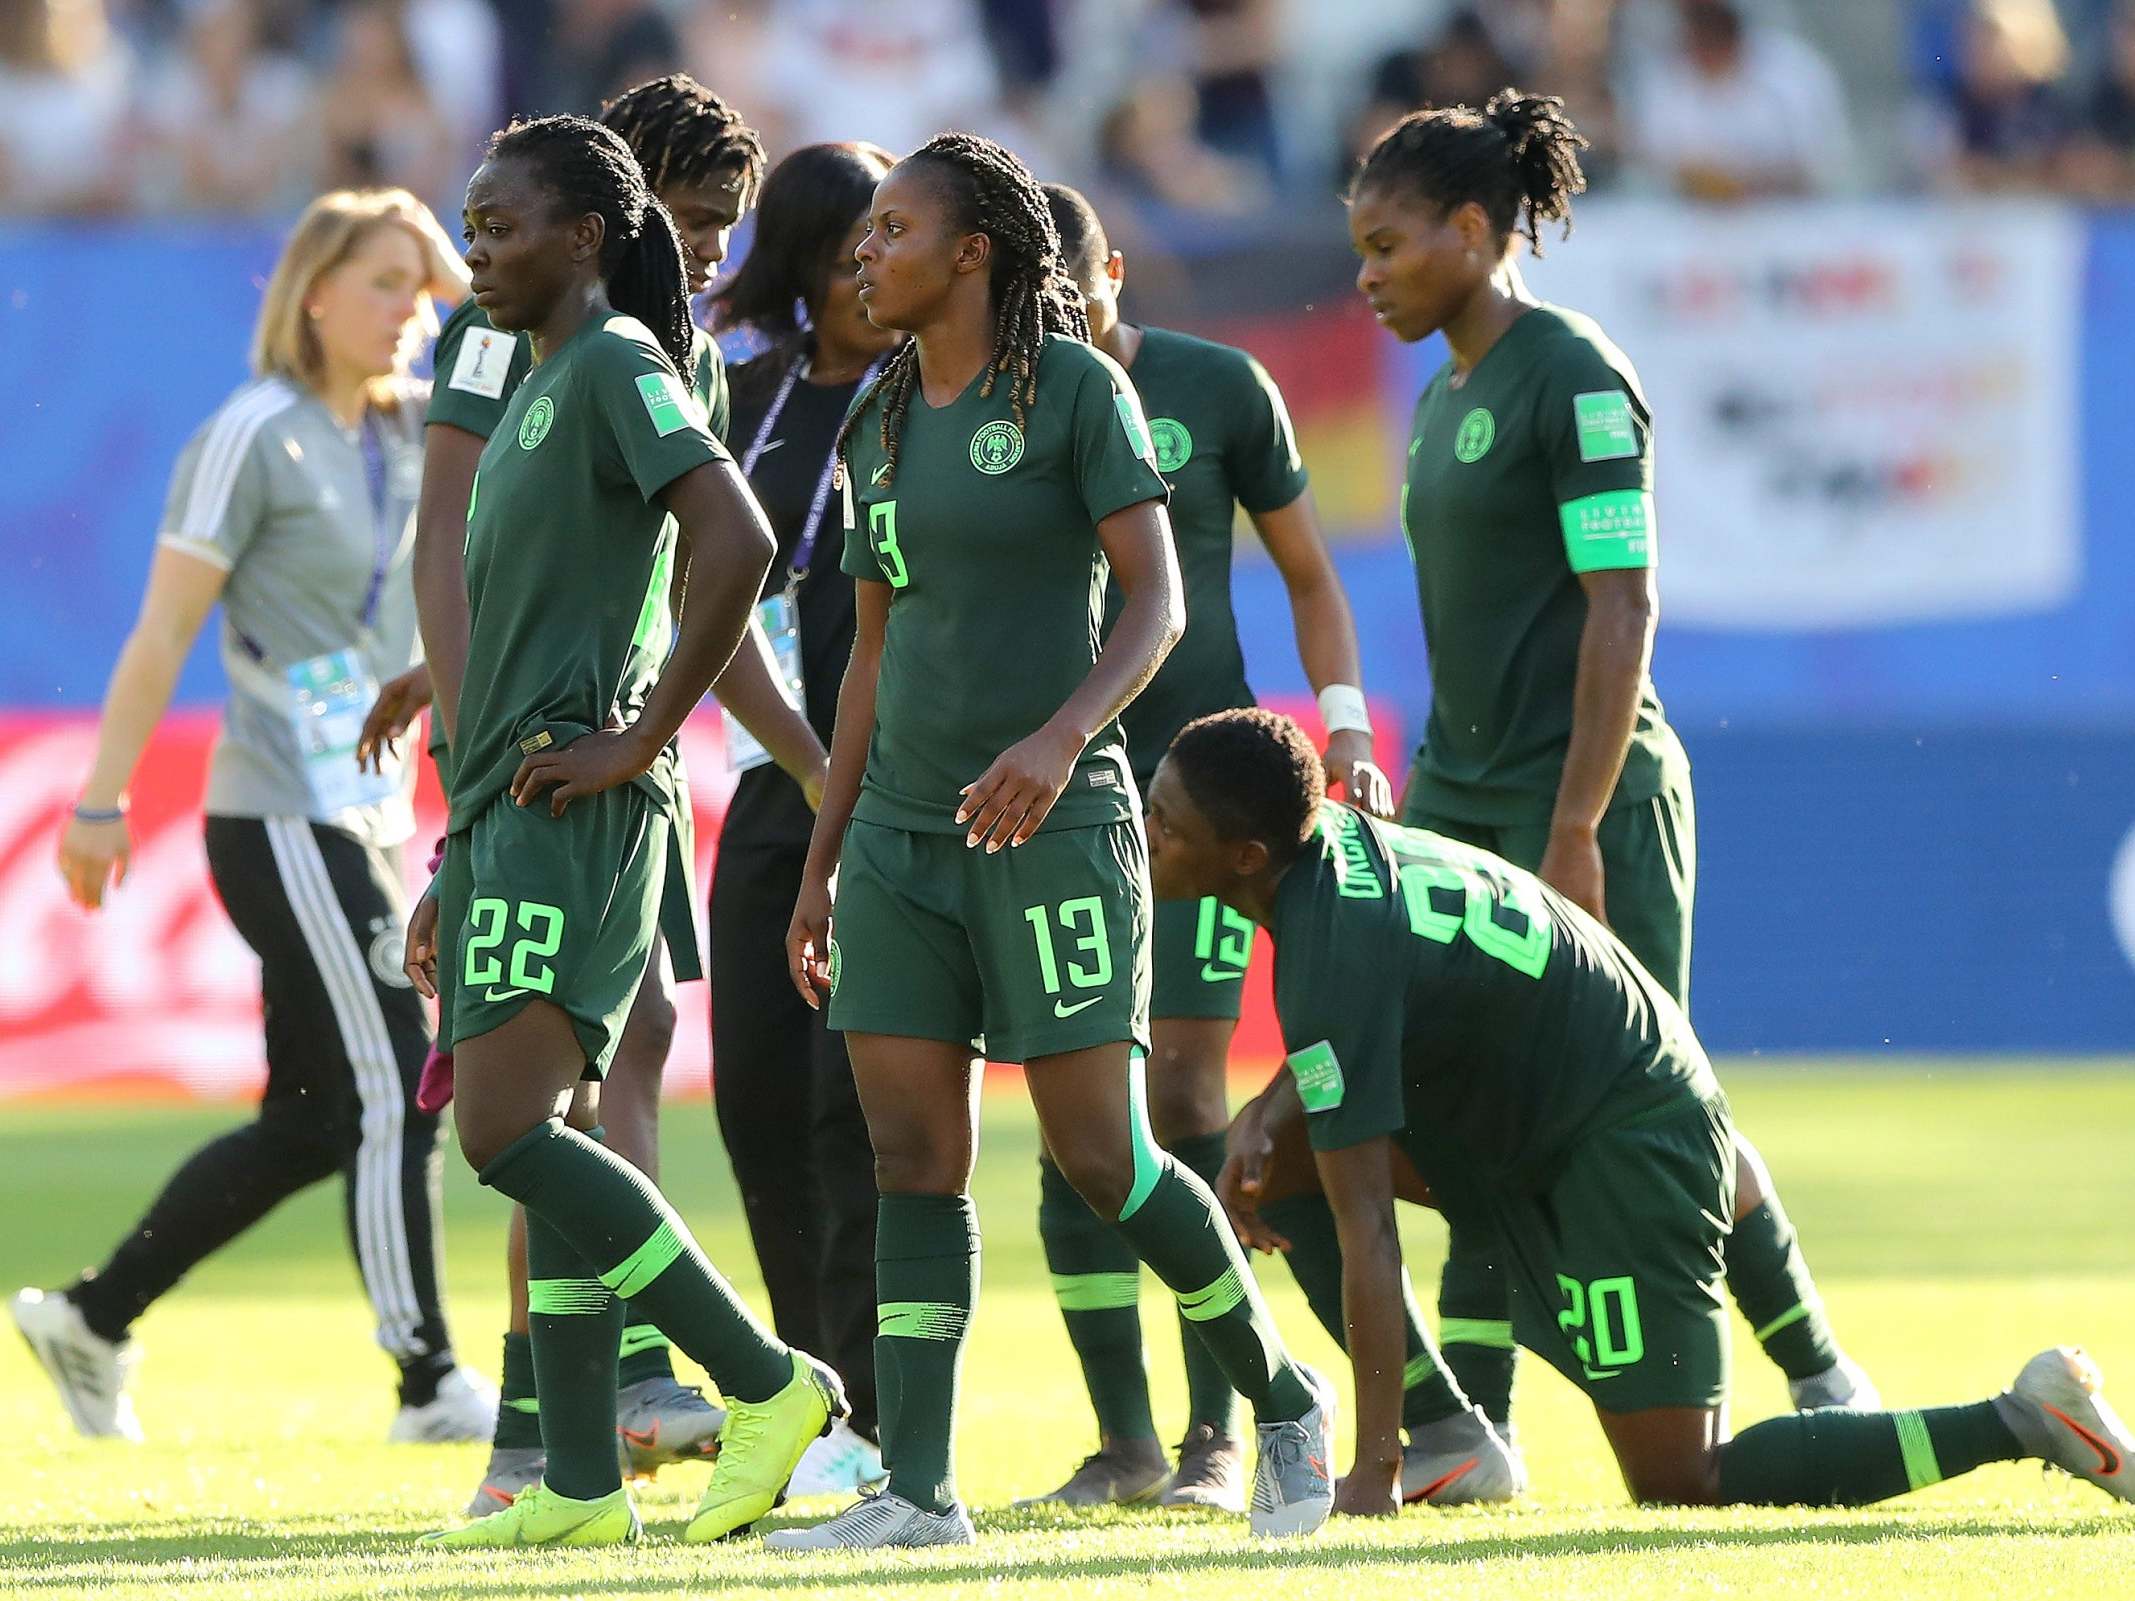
column 808, row 941
column 399, row 700
column 1247, row 1150
column 1369, row 1491
column 1349, row 763
column 1013, row 797
column 420, row 958
column 1571, row 865
column 92, row 855
column 588, row 765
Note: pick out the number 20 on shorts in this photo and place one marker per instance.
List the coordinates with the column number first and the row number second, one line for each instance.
column 542, row 930
column 1601, row 1321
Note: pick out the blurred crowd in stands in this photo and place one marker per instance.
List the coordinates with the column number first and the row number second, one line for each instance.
column 1216, row 108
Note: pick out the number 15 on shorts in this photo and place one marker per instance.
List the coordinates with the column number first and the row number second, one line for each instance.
column 1084, row 957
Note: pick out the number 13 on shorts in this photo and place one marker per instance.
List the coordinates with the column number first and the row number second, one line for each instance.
column 1087, row 952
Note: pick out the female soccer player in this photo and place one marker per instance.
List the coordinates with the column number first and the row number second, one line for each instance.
column 783, row 1084
column 1528, row 508
column 1443, row 1006
column 979, row 815
column 1223, row 438
column 538, row 927
column 293, row 506
column 704, row 164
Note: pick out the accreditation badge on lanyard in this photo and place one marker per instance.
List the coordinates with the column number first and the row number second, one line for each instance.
column 780, row 615
column 331, row 694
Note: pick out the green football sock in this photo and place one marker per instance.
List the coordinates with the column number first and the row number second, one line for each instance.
column 518, row 1413
column 1475, row 1322
column 1209, row 1396
column 641, row 1251
column 926, row 1282
column 1838, row 1458
column 1175, row 1225
column 1771, row 1283
column 574, row 1320
column 1428, row 1390
column 646, row 1352
column 1097, row 1280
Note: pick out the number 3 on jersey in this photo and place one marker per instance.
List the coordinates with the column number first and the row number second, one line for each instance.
column 882, row 535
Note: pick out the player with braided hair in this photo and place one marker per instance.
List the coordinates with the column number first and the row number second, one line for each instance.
column 536, row 934
column 982, row 823
column 1528, row 507
column 705, row 165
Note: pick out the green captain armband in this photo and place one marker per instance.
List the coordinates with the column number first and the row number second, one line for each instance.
column 1609, row 530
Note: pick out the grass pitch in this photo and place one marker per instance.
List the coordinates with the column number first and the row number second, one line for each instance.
column 1959, row 1217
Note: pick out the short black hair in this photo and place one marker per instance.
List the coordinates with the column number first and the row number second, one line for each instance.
column 1517, row 158
column 808, row 206
column 1084, row 248
column 1254, row 774
column 681, row 132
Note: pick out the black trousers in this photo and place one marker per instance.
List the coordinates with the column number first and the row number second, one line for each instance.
column 346, row 1036
column 791, row 1119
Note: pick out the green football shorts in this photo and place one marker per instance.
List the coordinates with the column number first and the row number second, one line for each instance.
column 561, row 909
column 1201, row 951
column 1038, row 949
column 1617, row 1267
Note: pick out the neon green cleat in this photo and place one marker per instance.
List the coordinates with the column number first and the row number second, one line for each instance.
column 542, row 1517
column 760, row 1447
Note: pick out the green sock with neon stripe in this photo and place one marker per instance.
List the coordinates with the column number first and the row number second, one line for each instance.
column 1771, row 1283
column 1428, row 1391
column 1838, row 1458
column 1475, row 1322
column 646, row 1352
column 926, row 1282
column 1174, row 1223
column 1209, row 1396
column 1097, row 1280
column 615, row 1218
column 574, row 1320
column 518, row 1413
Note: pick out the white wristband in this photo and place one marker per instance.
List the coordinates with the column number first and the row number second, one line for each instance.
column 1342, row 709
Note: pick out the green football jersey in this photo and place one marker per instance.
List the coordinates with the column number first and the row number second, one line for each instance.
column 1537, row 469
column 987, row 536
column 1435, row 992
column 1223, row 440
column 565, row 541
column 478, row 371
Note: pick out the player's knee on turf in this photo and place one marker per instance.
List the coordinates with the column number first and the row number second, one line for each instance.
column 1668, row 1456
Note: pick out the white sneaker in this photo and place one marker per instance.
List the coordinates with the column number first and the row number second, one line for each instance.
column 464, row 1409
column 2057, row 1410
column 90, row 1371
column 876, row 1523
column 841, row 1462
column 1293, row 1486
column 1459, row 1461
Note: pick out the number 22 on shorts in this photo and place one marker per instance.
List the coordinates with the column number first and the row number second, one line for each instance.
column 542, row 927
column 1084, row 918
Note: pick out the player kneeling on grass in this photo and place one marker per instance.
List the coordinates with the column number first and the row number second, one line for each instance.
column 538, row 926
column 1443, row 1006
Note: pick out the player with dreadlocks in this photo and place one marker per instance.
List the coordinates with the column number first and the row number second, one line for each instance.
column 1528, row 508
column 992, row 876
column 705, row 164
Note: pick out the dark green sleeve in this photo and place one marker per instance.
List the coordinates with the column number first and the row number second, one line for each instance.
column 1598, row 437
column 659, row 427
column 711, row 386
column 863, row 452
column 477, row 369
column 1266, row 471
column 1115, row 464
column 1340, row 1012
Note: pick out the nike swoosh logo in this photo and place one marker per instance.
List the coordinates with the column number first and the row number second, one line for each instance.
column 1608, row 1373
column 1062, row 1009
column 502, row 995
column 1441, row 1482
column 2108, row 1457
column 648, row 1439
column 1214, row 974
